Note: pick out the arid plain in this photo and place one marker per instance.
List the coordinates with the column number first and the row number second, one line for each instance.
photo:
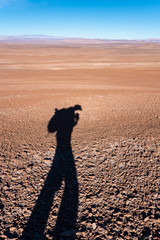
column 116, row 143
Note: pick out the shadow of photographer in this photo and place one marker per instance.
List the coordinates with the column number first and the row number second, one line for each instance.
column 62, row 169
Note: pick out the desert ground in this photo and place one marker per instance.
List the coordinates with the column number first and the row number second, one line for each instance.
column 115, row 144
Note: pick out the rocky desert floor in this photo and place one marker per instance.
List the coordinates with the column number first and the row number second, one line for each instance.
column 116, row 143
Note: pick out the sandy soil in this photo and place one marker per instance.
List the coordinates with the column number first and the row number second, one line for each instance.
column 116, row 143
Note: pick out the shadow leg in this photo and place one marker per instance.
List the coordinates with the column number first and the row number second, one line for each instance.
column 66, row 221
column 37, row 222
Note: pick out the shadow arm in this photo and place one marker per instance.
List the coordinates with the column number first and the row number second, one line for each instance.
column 76, row 118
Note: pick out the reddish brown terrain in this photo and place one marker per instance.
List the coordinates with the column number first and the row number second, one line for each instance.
column 116, row 142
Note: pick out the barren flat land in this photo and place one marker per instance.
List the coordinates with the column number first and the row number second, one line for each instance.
column 115, row 144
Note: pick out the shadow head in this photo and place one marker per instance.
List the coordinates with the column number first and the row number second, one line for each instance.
column 77, row 108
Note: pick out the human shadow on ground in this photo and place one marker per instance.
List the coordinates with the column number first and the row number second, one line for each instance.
column 63, row 168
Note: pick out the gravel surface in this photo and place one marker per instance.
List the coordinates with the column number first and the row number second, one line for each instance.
column 119, row 194
column 109, row 187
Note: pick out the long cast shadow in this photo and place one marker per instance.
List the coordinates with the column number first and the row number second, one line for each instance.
column 63, row 168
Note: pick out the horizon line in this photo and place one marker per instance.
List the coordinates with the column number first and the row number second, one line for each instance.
column 76, row 37
column 38, row 36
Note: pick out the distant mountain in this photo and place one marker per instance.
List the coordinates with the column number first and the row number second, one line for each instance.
column 45, row 38
column 154, row 40
column 20, row 38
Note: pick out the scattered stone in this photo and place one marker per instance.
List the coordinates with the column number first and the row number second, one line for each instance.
column 118, row 192
column 94, row 226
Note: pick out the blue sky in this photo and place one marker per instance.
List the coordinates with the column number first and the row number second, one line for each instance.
column 111, row 19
